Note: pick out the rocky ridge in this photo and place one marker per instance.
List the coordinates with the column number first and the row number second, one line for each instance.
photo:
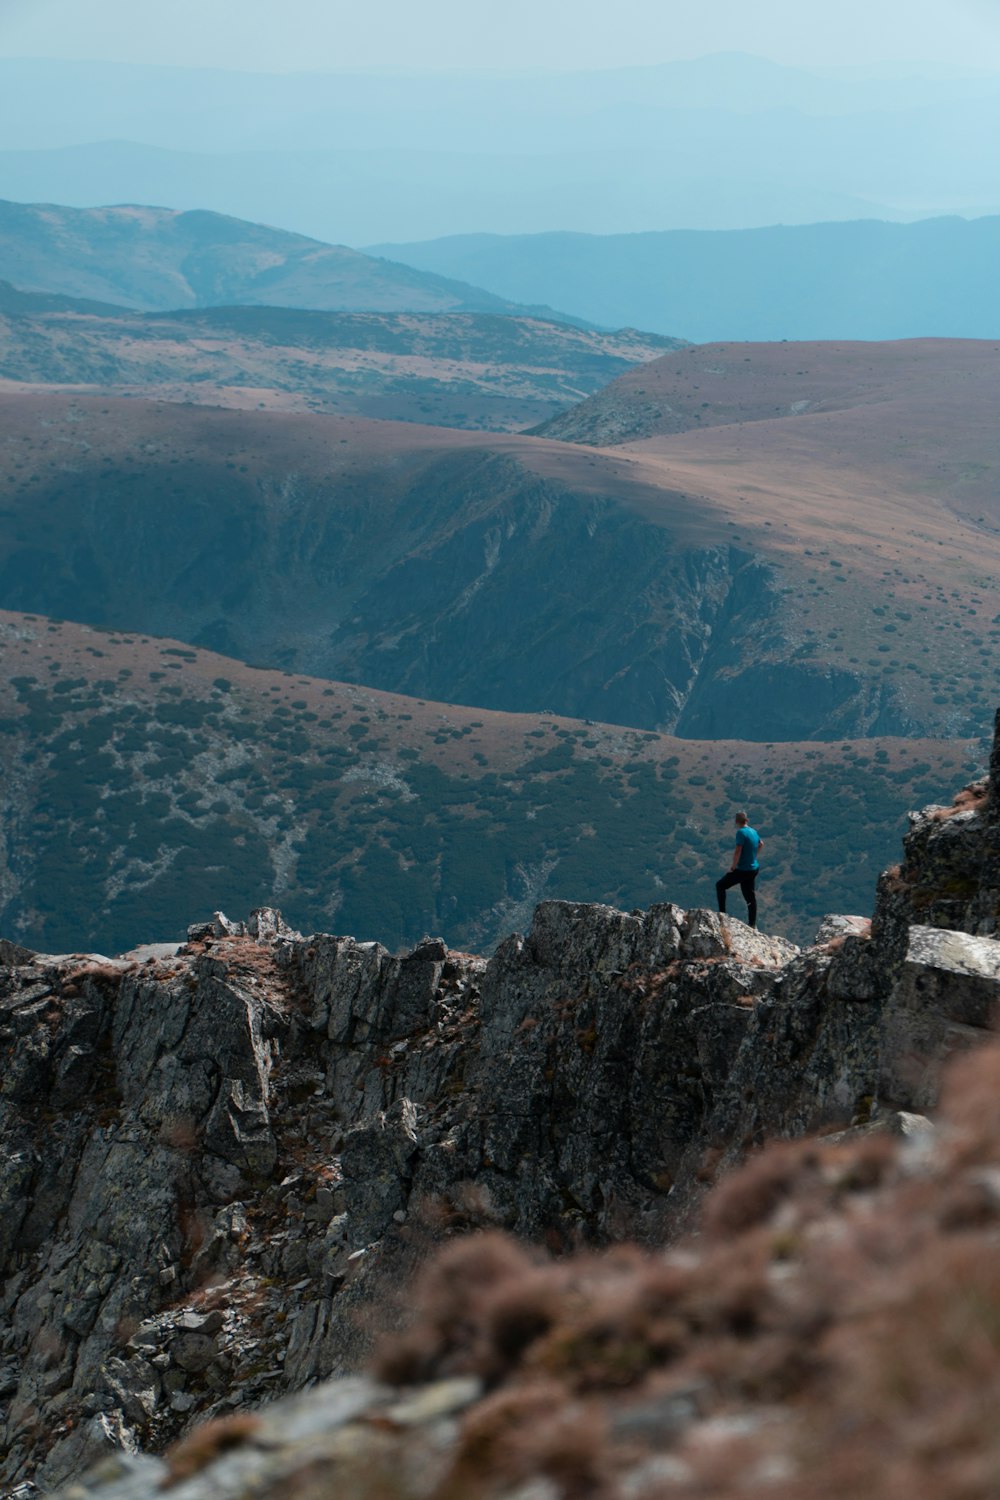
column 220, row 1161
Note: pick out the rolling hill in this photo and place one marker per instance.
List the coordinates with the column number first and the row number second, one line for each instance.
column 159, row 259
column 145, row 784
column 478, row 370
column 933, row 387
column 824, row 574
column 855, row 280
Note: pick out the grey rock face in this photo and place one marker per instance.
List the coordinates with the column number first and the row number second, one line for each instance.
column 217, row 1168
column 950, row 876
column 945, row 998
column 834, row 927
column 377, row 1164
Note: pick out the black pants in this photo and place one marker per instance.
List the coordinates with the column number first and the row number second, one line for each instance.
column 746, row 880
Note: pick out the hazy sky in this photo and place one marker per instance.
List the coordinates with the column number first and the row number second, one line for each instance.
column 328, row 34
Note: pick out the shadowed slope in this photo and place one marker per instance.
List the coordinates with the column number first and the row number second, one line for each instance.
column 639, row 585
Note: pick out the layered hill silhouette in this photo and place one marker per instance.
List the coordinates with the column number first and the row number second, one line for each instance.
column 144, row 779
column 825, row 573
column 455, row 369
column 157, row 258
column 720, row 142
column 862, row 279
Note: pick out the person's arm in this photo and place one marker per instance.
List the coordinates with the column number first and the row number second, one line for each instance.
column 736, row 856
column 759, row 848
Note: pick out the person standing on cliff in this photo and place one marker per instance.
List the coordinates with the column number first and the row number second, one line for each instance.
column 743, row 871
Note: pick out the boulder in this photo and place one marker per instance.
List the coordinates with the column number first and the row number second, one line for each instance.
column 945, row 998
column 710, row 934
column 834, row 927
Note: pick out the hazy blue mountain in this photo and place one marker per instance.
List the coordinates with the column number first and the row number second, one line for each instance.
column 722, row 142
column 157, row 259
column 863, row 280
column 356, row 197
column 17, row 304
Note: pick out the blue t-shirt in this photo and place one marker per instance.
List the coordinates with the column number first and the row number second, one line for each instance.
column 748, row 842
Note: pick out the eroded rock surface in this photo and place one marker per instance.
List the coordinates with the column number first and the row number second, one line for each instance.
column 822, row 1336
column 220, row 1164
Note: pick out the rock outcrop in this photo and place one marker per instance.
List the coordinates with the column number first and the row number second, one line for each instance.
column 221, row 1163
column 830, row 1332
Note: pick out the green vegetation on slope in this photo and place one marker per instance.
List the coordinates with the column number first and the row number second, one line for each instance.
column 146, row 784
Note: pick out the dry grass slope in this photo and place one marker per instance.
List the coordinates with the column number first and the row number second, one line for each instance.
column 835, row 1331
column 465, row 370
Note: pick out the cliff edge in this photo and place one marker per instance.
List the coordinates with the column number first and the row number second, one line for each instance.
column 220, row 1164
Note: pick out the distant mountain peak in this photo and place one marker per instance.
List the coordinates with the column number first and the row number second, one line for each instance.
column 156, row 258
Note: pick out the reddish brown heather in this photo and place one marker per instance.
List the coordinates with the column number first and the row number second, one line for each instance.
column 842, row 1304
column 205, row 1444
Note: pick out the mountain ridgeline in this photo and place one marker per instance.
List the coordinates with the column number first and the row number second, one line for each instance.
column 713, row 143
column 857, row 280
column 156, row 258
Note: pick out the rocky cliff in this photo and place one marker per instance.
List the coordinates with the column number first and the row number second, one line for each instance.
column 221, row 1163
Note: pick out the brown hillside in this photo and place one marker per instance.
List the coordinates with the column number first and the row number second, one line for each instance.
column 717, row 385
column 892, row 445
column 768, row 578
column 850, row 428
column 470, row 370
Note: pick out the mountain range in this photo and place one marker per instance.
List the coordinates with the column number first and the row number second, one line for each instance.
column 347, row 583
column 722, row 142
column 864, row 280
column 732, row 563
column 857, row 280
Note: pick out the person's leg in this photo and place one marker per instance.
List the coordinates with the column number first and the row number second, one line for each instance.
column 723, row 885
column 748, row 885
